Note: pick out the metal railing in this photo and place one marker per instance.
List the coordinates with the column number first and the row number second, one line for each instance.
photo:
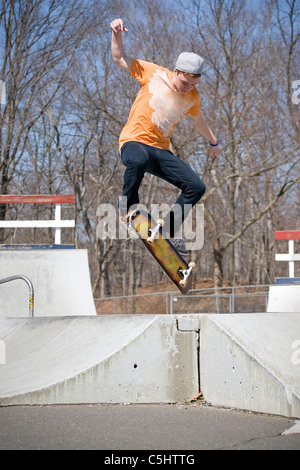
column 126, row 304
column 31, row 289
column 241, row 299
column 235, row 299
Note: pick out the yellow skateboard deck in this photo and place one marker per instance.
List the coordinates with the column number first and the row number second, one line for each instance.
column 162, row 250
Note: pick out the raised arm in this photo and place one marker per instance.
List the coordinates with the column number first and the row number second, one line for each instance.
column 202, row 126
column 117, row 48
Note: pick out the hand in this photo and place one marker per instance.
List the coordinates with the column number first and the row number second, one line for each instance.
column 118, row 26
column 214, row 152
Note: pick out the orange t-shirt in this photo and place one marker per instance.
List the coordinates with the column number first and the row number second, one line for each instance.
column 158, row 107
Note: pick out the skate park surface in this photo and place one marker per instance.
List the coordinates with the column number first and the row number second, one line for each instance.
column 70, row 356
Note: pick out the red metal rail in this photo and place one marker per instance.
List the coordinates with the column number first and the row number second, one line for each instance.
column 37, row 199
column 287, row 235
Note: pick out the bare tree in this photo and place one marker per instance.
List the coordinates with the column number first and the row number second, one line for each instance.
column 37, row 37
column 67, row 103
column 240, row 102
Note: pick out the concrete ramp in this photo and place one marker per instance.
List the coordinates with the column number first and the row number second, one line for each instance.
column 252, row 362
column 121, row 359
column 61, row 281
column 284, row 298
column 245, row 361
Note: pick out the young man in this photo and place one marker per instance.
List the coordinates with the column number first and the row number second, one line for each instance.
column 164, row 98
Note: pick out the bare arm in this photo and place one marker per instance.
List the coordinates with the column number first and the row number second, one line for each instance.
column 117, row 49
column 202, row 126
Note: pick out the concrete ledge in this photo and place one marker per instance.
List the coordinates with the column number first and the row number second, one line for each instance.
column 245, row 361
column 120, row 359
column 248, row 361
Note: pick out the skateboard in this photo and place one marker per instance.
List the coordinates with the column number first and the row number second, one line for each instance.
column 161, row 248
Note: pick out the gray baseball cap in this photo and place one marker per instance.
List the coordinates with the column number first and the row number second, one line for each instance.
column 190, row 62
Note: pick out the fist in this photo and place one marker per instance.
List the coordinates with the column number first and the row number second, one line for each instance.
column 117, row 26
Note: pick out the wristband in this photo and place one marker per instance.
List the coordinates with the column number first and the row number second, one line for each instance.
column 214, row 145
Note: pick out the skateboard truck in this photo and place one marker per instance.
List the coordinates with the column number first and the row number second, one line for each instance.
column 185, row 273
column 153, row 233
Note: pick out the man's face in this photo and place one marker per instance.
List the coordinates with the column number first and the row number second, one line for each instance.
column 183, row 83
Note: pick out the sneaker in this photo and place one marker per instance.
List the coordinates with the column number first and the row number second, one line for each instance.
column 179, row 244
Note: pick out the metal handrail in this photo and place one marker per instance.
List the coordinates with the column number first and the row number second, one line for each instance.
column 31, row 289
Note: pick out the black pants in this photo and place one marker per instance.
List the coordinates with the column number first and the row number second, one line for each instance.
column 140, row 159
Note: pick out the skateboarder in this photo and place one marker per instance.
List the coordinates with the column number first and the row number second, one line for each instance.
column 164, row 98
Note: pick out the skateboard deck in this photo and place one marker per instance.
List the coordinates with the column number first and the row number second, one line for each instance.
column 163, row 251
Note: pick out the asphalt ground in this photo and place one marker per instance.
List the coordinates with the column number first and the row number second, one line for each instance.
column 168, row 434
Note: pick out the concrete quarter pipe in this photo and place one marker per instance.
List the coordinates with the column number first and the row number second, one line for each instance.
column 245, row 361
column 61, row 281
column 140, row 358
column 68, row 354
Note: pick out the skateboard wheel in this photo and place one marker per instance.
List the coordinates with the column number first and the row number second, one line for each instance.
column 161, row 222
column 182, row 283
column 192, row 265
column 150, row 240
